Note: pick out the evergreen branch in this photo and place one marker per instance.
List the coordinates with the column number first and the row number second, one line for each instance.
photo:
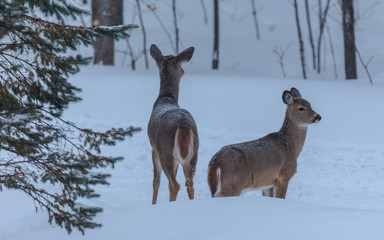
column 38, row 145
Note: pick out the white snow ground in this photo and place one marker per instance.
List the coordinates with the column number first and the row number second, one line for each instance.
column 341, row 165
column 338, row 191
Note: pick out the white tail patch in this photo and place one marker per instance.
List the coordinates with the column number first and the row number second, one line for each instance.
column 176, row 149
column 218, row 190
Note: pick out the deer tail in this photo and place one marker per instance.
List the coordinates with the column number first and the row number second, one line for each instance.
column 214, row 180
column 184, row 144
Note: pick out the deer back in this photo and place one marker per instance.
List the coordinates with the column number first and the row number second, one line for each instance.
column 268, row 160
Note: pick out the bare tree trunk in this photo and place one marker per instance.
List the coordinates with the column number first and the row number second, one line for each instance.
column 144, row 36
column 300, row 39
column 117, row 12
column 310, row 33
column 215, row 58
column 106, row 13
column 322, row 18
column 176, row 28
column 349, row 39
column 204, row 12
column 255, row 19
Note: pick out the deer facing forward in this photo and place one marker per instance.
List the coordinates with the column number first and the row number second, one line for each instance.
column 267, row 163
column 172, row 131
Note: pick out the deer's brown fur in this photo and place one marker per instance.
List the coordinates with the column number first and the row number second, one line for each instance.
column 267, row 163
column 172, row 130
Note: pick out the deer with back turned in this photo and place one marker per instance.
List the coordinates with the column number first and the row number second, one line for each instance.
column 267, row 163
column 172, row 130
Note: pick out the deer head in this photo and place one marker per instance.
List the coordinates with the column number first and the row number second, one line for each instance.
column 171, row 65
column 299, row 110
column 170, row 70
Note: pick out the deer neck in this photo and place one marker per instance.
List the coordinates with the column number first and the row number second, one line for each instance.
column 169, row 87
column 294, row 134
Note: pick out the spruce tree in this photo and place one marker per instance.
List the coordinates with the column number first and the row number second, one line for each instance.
column 38, row 147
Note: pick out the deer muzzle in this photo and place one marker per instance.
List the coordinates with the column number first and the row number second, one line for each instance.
column 317, row 118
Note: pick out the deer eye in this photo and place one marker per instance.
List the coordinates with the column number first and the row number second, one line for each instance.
column 301, row 109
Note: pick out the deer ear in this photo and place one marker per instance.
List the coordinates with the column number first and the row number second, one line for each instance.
column 156, row 53
column 295, row 93
column 287, row 97
column 185, row 55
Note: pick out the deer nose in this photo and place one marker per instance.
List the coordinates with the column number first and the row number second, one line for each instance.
column 317, row 118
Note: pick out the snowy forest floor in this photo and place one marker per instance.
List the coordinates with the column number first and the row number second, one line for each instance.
column 341, row 165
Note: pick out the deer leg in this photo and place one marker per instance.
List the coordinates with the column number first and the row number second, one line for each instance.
column 281, row 190
column 174, row 188
column 268, row 192
column 170, row 170
column 156, row 176
column 189, row 171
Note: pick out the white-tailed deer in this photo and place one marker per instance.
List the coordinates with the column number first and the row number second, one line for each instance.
column 172, row 131
column 267, row 163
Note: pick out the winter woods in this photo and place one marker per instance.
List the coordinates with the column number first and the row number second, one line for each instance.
column 57, row 162
column 319, row 25
column 348, row 22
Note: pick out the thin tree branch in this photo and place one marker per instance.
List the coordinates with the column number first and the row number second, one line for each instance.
column 255, row 19
column 300, row 39
column 153, row 10
column 176, row 28
column 322, row 18
column 332, row 50
column 204, row 12
column 310, row 33
column 365, row 65
column 144, row 37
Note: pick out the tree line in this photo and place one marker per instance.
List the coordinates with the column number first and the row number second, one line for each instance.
column 112, row 14
column 348, row 23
